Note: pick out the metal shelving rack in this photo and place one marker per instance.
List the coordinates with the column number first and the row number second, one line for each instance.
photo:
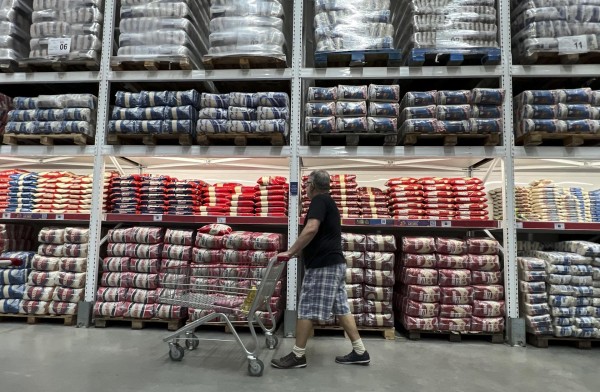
column 296, row 74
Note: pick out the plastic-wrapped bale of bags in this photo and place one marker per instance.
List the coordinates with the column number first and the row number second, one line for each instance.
column 15, row 21
column 533, row 295
column 163, row 31
column 79, row 21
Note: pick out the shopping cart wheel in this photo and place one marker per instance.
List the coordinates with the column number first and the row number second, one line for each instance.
column 255, row 367
column 176, row 352
column 192, row 342
column 271, row 342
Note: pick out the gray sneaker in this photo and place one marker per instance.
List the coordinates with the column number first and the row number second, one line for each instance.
column 289, row 361
column 354, row 359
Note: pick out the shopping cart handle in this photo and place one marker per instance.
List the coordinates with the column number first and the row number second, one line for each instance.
column 282, row 259
column 10, row 262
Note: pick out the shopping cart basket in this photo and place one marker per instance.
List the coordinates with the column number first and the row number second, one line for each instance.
column 196, row 287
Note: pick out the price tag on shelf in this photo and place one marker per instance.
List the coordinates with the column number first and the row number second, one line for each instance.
column 6, row 215
column 384, row 221
column 519, row 225
column 157, row 218
column 221, row 219
column 559, row 226
column 446, row 224
column 59, row 46
column 574, row 44
column 294, row 188
column 60, row 217
column 432, row 223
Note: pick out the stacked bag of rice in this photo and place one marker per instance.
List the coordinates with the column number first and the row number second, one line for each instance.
column 244, row 113
column 243, row 28
column 15, row 21
column 22, row 188
column 476, row 111
column 271, row 196
column 183, row 197
column 447, row 284
column 358, row 109
column 153, row 194
column 130, row 273
column 595, row 205
column 557, row 111
column 343, row 25
column 533, row 295
column 405, row 198
column 165, row 31
column 227, row 198
column 523, row 207
column 13, row 280
column 372, row 202
column 227, row 264
column 15, row 238
column 125, row 192
column 79, row 21
column 370, row 278
column 343, row 190
column 155, row 112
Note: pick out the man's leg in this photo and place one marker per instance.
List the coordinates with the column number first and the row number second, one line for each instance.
column 303, row 330
column 349, row 324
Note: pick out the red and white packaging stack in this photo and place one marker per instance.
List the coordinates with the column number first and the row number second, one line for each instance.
column 470, row 199
column 174, row 270
column 372, row 203
column 438, row 198
column 233, row 260
column 242, row 201
column 417, row 295
column 344, row 192
column 405, row 198
column 70, row 287
column 354, row 247
column 216, row 199
column 486, row 279
column 130, row 273
column 271, row 196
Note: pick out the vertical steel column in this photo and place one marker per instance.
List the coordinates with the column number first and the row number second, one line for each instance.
column 84, row 314
column 515, row 327
column 293, row 211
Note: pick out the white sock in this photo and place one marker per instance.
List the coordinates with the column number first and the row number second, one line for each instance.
column 359, row 347
column 298, row 352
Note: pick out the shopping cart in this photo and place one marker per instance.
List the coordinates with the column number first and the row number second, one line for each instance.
column 239, row 296
column 10, row 262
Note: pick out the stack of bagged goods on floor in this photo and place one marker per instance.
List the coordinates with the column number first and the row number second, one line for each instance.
column 476, row 111
column 246, row 29
column 573, row 111
column 244, row 113
column 174, row 271
column 153, row 194
column 448, row 25
column 130, row 273
column 5, row 106
column 373, row 203
column 79, row 21
column 163, row 32
column 353, row 25
column 66, row 114
column 155, row 113
column 370, row 278
column 271, row 196
column 13, row 280
column 533, row 295
column 553, row 28
column 358, row 109
column 15, row 20
column 57, row 279
column 226, row 267
column 183, row 197
column 447, row 284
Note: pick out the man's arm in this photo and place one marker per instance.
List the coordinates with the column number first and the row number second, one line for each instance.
column 308, row 233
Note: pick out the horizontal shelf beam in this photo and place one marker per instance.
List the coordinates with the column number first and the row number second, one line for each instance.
column 402, row 72
column 46, row 151
column 196, row 219
column 558, row 226
column 400, row 151
column 557, row 152
column 50, row 77
column 421, row 223
column 20, row 216
column 200, row 75
column 197, row 151
column 557, row 70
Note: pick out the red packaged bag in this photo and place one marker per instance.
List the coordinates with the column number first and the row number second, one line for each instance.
column 488, row 308
column 456, row 311
column 419, row 276
column 420, row 309
column 454, row 324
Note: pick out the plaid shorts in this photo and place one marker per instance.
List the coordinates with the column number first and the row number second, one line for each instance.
column 324, row 293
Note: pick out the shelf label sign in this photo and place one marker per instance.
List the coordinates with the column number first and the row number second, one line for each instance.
column 6, row 215
column 446, row 224
column 559, row 226
column 573, row 44
column 294, row 188
column 157, row 218
column 59, row 46
column 519, row 225
column 221, row 219
column 60, row 217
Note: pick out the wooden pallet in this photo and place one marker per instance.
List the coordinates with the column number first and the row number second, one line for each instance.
column 40, row 65
column 47, row 140
column 490, row 139
column 543, row 341
column 451, row 57
column 243, row 62
column 9, row 66
column 172, row 325
column 352, row 139
column 455, row 336
column 149, row 140
column 389, row 333
column 556, row 58
column 182, row 63
column 565, row 139
column 241, row 139
column 359, row 58
column 68, row 320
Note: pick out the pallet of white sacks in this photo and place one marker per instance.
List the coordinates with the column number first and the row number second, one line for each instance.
column 68, row 320
column 455, row 336
column 389, row 333
column 47, row 140
column 172, row 324
column 543, row 341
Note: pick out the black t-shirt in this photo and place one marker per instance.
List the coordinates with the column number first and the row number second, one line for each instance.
column 326, row 247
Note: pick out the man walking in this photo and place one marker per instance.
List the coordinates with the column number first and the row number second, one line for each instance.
column 323, row 291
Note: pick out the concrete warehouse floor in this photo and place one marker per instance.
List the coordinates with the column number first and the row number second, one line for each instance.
column 54, row 358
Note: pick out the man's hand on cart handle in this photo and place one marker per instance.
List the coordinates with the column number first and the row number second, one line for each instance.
column 284, row 256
